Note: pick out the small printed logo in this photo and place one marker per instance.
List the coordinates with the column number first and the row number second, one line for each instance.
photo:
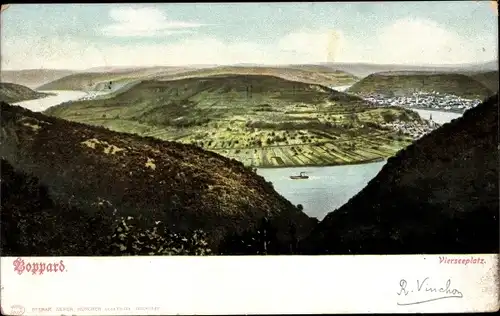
column 16, row 310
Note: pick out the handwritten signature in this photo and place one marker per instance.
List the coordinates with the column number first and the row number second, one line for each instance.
column 424, row 286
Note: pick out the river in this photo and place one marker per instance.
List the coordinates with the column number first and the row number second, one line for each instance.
column 39, row 105
column 327, row 188
column 439, row 117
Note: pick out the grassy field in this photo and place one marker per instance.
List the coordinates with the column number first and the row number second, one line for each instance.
column 404, row 83
column 261, row 121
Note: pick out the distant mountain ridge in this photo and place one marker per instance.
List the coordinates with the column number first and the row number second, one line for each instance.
column 439, row 195
column 365, row 69
column 33, row 78
column 407, row 82
column 92, row 78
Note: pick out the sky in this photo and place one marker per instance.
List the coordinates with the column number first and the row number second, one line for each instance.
column 81, row 36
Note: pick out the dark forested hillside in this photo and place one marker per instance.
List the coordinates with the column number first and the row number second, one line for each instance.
column 72, row 174
column 439, row 195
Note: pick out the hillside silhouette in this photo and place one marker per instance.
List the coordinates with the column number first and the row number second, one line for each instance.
column 311, row 74
column 33, row 78
column 489, row 79
column 439, row 195
column 94, row 175
column 93, row 77
column 407, row 82
column 11, row 92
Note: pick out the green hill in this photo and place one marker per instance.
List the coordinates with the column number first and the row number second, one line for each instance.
column 300, row 73
column 66, row 173
column 488, row 79
column 96, row 80
column 11, row 92
column 439, row 195
column 407, row 82
column 259, row 120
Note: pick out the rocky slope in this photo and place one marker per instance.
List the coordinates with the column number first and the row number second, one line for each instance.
column 439, row 195
column 122, row 191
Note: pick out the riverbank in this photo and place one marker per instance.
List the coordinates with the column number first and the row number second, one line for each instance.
column 436, row 110
column 360, row 162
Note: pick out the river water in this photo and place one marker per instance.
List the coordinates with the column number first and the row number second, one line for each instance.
column 39, row 105
column 327, row 188
column 439, row 117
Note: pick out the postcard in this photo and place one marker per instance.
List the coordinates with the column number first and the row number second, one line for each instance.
column 249, row 158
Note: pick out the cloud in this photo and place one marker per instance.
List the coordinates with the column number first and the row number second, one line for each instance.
column 144, row 22
column 406, row 41
column 418, row 41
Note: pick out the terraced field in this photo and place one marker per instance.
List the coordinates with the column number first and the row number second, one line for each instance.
column 261, row 121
